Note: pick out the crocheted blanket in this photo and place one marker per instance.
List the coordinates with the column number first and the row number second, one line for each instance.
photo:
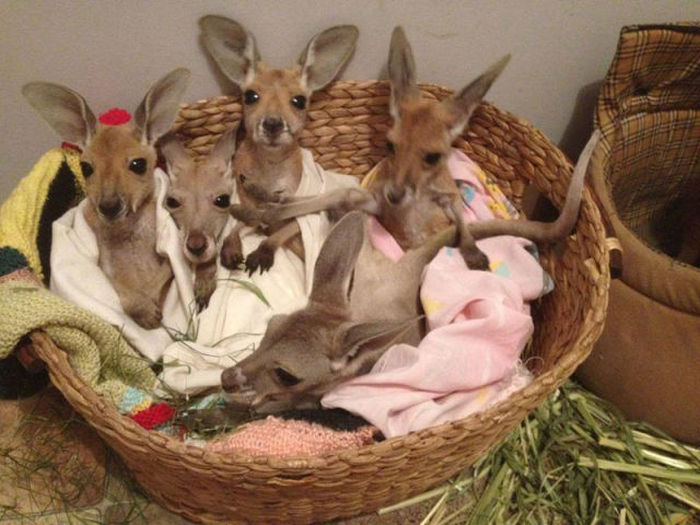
column 97, row 351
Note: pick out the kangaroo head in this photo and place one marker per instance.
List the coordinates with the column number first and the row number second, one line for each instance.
column 423, row 130
column 275, row 101
column 117, row 161
column 304, row 354
column 199, row 195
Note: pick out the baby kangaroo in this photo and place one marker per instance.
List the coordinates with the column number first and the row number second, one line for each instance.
column 198, row 199
column 361, row 303
column 268, row 164
column 413, row 194
column 117, row 163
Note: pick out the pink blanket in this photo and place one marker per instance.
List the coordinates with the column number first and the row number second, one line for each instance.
column 479, row 322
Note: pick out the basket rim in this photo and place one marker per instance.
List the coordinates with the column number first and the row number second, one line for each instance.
column 529, row 396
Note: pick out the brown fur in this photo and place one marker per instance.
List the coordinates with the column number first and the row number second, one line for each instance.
column 268, row 163
column 121, row 208
column 413, row 195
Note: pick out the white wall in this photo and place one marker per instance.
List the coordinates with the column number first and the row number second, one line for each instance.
column 111, row 51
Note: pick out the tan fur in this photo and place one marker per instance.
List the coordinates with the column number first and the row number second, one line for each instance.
column 413, row 195
column 127, row 245
column 268, row 163
column 118, row 164
column 198, row 199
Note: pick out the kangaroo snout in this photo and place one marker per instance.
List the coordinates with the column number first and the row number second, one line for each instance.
column 273, row 126
column 394, row 193
column 232, row 379
column 196, row 243
column 111, row 209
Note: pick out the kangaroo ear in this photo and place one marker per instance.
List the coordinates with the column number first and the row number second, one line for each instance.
column 64, row 109
column 336, row 261
column 461, row 105
column 357, row 340
column 175, row 154
column 402, row 71
column 231, row 46
column 325, row 55
column 156, row 113
column 221, row 155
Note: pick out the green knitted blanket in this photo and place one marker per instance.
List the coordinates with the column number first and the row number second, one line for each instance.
column 96, row 349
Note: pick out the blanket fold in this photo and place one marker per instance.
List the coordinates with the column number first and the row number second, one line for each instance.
column 96, row 349
column 478, row 322
column 77, row 277
column 239, row 310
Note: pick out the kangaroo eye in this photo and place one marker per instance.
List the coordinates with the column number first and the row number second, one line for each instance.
column 172, row 203
column 138, row 166
column 241, row 178
column 432, row 158
column 299, row 101
column 285, row 378
column 250, row 97
column 87, row 169
column 222, row 201
column 390, row 146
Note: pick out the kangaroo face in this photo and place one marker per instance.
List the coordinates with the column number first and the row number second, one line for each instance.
column 118, row 171
column 275, row 106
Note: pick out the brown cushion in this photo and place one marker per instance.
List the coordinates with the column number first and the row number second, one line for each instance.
column 647, row 362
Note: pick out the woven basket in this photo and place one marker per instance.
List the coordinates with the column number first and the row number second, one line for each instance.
column 346, row 131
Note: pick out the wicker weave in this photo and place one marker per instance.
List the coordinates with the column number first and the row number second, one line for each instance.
column 346, row 133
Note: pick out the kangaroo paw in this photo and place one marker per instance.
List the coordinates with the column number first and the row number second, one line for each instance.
column 263, row 257
column 146, row 314
column 232, row 252
column 203, row 289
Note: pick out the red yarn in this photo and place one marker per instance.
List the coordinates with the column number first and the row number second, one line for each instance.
column 115, row 117
column 68, row 145
column 154, row 415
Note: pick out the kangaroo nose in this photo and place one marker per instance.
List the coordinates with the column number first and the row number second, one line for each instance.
column 395, row 194
column 110, row 209
column 232, row 379
column 272, row 125
column 196, row 243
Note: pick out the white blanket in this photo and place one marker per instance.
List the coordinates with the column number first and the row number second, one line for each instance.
column 235, row 320
column 75, row 275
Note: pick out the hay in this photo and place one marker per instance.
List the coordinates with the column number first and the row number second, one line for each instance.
column 574, row 460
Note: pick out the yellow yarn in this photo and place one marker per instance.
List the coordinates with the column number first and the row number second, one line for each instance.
column 21, row 212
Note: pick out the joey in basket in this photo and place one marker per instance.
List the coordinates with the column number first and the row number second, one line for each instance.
column 361, row 304
column 198, row 199
column 117, row 163
column 268, row 163
column 413, row 194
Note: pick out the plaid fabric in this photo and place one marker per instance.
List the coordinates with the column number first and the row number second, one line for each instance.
column 648, row 115
column 655, row 68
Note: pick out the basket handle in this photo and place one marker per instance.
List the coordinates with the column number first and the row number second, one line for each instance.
column 612, row 244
